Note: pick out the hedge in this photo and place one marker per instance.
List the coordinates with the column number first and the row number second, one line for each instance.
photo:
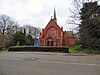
column 39, row 48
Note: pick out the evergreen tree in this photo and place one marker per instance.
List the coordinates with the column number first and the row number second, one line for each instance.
column 90, row 25
column 19, row 37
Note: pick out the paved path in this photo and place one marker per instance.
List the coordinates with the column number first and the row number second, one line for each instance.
column 37, row 63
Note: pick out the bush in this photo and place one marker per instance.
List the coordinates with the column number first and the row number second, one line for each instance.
column 1, row 48
column 18, row 43
column 39, row 49
column 89, row 51
column 92, row 51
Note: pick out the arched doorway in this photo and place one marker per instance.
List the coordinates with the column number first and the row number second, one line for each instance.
column 49, row 42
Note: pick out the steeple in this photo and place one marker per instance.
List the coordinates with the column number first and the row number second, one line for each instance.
column 55, row 19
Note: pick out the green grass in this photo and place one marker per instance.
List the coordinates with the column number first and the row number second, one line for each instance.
column 79, row 49
column 73, row 48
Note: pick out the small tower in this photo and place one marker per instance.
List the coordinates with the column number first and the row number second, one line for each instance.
column 55, row 19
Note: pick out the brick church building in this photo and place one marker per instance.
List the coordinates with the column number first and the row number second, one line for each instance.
column 53, row 35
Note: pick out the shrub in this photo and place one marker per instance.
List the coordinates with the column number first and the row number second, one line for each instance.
column 1, row 48
column 39, row 49
column 89, row 51
column 92, row 51
column 18, row 43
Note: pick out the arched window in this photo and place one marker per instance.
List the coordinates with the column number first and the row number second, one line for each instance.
column 53, row 33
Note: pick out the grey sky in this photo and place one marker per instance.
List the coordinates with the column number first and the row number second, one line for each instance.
column 37, row 12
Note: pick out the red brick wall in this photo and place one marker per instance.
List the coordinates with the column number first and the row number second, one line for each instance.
column 70, row 41
column 54, row 33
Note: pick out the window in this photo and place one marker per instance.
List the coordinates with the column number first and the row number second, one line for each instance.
column 53, row 33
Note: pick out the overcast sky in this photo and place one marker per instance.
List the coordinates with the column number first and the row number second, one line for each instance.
column 37, row 12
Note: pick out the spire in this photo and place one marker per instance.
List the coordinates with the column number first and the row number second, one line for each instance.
column 55, row 19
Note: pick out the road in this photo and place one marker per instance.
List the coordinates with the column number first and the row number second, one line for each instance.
column 48, row 64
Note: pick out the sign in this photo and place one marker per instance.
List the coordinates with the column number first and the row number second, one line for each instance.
column 36, row 43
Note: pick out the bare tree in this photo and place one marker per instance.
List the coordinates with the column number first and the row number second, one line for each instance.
column 33, row 31
column 75, row 17
column 37, row 31
column 76, row 9
column 7, row 25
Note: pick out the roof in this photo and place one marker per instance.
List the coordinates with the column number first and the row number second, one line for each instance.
column 69, row 34
column 52, row 23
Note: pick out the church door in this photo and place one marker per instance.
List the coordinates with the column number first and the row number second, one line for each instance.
column 50, row 42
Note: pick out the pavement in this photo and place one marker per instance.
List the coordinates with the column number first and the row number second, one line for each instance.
column 48, row 63
column 53, row 53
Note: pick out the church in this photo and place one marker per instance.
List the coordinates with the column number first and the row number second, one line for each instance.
column 53, row 35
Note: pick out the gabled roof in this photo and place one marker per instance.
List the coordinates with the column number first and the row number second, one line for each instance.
column 52, row 23
column 70, row 34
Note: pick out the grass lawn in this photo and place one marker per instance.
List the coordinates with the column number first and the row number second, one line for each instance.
column 79, row 49
column 73, row 48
